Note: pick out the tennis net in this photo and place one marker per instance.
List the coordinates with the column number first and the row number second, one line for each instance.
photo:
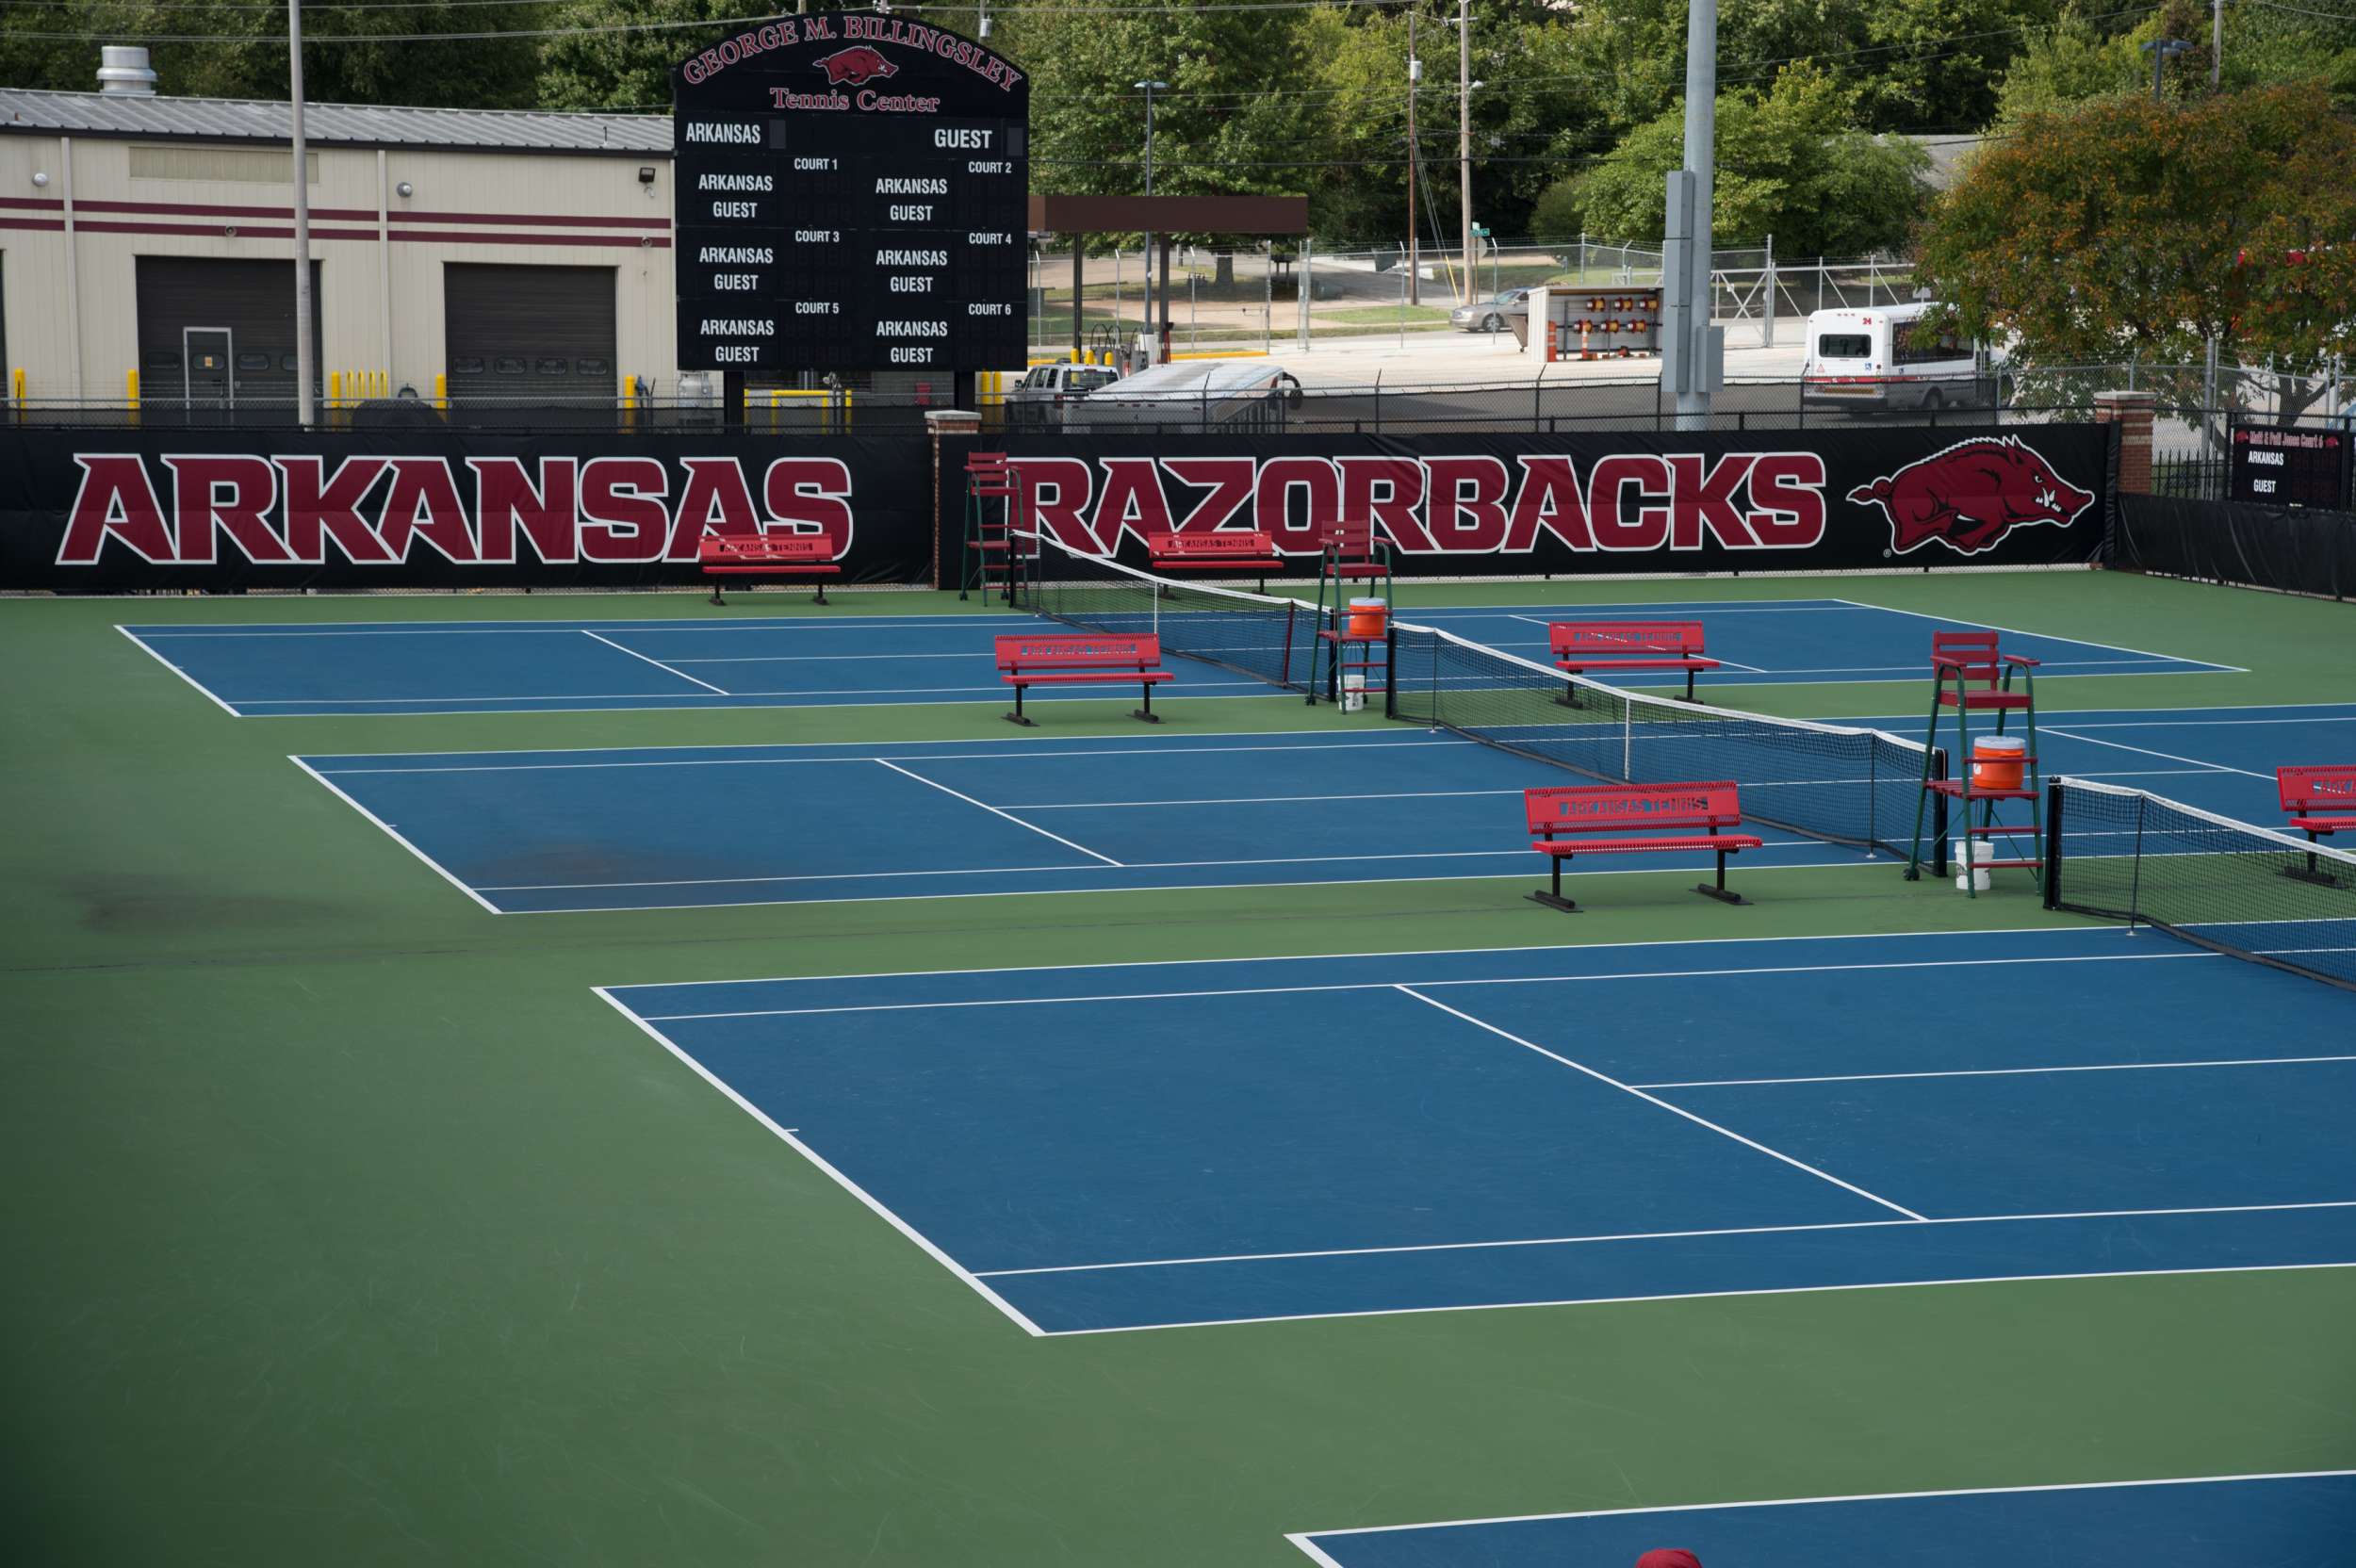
column 2225, row 885
column 1256, row 634
column 1842, row 784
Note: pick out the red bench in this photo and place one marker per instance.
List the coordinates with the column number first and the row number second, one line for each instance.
column 1650, row 818
column 1582, row 646
column 1067, row 661
column 808, row 555
column 1214, row 550
column 2319, row 801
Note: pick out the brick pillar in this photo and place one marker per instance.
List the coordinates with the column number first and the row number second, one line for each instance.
column 951, row 421
column 2132, row 412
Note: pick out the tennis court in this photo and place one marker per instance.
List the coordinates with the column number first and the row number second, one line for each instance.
column 2282, row 1519
column 1143, row 1146
column 819, row 659
column 1285, row 1189
column 534, row 832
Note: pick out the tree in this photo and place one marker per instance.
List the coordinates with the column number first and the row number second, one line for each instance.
column 2126, row 229
column 352, row 56
column 1788, row 164
column 626, row 70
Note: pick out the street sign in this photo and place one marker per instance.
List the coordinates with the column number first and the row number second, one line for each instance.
column 851, row 193
column 2298, row 467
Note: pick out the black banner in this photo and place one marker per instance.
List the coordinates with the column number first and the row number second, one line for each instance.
column 87, row 511
column 2298, row 551
column 1607, row 501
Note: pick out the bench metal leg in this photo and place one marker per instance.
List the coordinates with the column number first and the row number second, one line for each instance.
column 1689, row 687
column 1146, row 712
column 1553, row 898
column 715, row 592
column 821, row 592
column 1017, row 717
column 1720, row 891
column 2311, row 873
column 1570, row 695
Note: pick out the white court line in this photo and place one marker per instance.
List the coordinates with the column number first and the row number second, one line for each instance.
column 992, row 810
column 2162, row 717
column 1124, row 865
column 175, row 669
column 1997, row 1071
column 658, row 664
column 1301, row 1538
column 787, row 1134
column 1701, row 1295
column 509, row 628
column 823, row 658
column 2146, row 751
column 1276, row 800
column 393, row 833
column 2170, row 954
column 1404, row 741
column 2048, row 636
column 1936, row 937
column 1654, row 1100
column 1653, row 1235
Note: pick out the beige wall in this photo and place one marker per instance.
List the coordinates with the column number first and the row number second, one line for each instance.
column 492, row 190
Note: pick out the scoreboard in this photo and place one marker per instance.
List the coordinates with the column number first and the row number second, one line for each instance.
column 851, row 193
column 2290, row 467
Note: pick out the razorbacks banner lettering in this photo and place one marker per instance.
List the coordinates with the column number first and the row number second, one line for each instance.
column 83, row 511
column 1774, row 500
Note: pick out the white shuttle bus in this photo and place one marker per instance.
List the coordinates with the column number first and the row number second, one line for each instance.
column 1881, row 358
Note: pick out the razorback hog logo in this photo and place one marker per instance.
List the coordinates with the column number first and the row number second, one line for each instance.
column 1971, row 494
column 858, row 65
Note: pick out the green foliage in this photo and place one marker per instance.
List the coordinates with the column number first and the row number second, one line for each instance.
column 1789, row 164
column 349, row 56
column 598, row 71
column 2127, row 228
column 2081, row 59
column 1916, row 64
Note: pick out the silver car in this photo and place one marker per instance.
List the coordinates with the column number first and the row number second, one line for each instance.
column 1486, row 315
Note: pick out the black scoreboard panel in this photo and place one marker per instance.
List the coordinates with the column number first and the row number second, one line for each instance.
column 852, row 192
column 2302, row 465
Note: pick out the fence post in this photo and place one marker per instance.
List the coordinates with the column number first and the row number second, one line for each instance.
column 1768, row 341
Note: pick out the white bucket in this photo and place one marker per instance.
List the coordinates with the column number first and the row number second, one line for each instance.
column 1355, row 694
column 1971, row 858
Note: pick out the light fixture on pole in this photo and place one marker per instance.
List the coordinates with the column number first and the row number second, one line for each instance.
column 1149, row 88
column 2162, row 50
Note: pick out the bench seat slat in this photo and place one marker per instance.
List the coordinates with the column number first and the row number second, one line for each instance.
column 1636, row 847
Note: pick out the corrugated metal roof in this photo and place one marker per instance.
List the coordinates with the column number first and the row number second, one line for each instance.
column 106, row 114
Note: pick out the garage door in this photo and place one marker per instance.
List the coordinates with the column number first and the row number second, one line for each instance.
column 220, row 332
column 528, row 335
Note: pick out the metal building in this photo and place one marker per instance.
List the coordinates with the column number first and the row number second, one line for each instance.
column 146, row 247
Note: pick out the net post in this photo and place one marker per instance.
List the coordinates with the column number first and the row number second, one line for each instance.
column 1939, row 815
column 2135, row 885
column 2052, row 843
column 1390, row 669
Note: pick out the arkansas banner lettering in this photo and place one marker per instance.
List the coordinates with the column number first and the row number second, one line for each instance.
column 1606, row 502
column 91, row 512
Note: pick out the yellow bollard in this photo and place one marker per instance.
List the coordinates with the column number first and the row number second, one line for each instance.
column 441, row 390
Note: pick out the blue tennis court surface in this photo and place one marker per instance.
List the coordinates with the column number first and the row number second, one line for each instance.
column 2285, row 1521
column 819, row 661
column 1133, row 1146
column 639, row 828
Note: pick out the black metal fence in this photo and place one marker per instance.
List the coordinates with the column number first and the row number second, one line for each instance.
column 1542, row 404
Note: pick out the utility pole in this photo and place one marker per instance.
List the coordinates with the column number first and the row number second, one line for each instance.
column 1415, row 159
column 1464, row 133
column 2217, row 42
column 1150, row 88
column 306, row 352
column 1686, row 358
